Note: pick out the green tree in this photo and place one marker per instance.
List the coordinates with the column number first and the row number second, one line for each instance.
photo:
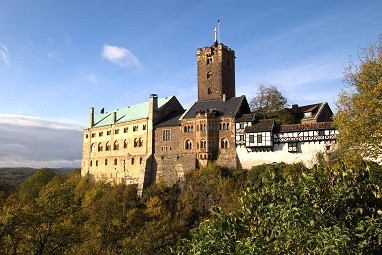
column 31, row 187
column 359, row 108
column 321, row 211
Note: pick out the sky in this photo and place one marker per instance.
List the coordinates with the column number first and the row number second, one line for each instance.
column 59, row 58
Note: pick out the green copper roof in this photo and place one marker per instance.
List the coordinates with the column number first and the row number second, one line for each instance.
column 129, row 113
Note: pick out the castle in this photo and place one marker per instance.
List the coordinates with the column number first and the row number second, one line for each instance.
column 160, row 141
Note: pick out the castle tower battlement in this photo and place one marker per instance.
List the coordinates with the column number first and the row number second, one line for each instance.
column 216, row 72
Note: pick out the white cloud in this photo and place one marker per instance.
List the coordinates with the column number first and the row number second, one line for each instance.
column 27, row 141
column 3, row 54
column 121, row 56
column 22, row 120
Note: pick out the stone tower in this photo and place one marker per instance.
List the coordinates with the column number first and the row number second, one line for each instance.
column 216, row 72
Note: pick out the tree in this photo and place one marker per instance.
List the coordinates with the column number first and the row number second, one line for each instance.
column 268, row 100
column 359, row 108
column 328, row 210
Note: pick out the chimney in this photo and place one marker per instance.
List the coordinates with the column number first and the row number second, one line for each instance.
column 114, row 117
column 91, row 117
column 224, row 97
column 153, row 105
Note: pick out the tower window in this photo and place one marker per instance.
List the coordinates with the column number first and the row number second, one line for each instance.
column 209, row 75
column 209, row 60
column 209, row 91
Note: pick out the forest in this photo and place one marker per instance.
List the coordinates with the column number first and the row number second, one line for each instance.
column 270, row 209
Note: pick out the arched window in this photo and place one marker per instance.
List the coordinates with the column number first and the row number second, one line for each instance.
column 100, row 147
column 185, row 129
column 188, row 145
column 135, row 142
column 209, row 75
column 116, row 146
column 132, row 161
column 115, row 161
column 140, row 161
column 202, row 144
column 209, row 91
column 93, row 148
column 96, row 162
column 105, row 162
column 108, row 146
column 91, row 162
column 125, row 144
column 224, row 143
column 140, row 142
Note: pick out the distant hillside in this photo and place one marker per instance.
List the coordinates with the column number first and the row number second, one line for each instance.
column 16, row 175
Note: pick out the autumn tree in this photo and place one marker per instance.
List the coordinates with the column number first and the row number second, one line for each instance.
column 359, row 107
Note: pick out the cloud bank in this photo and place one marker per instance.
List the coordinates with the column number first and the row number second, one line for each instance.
column 27, row 141
column 120, row 56
column 3, row 54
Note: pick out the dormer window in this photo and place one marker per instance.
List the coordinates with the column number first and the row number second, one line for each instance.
column 307, row 114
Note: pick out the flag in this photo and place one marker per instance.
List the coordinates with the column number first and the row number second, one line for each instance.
column 219, row 21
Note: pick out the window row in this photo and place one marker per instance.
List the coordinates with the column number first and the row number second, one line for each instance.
column 116, row 162
column 259, row 138
column 224, row 126
column 203, row 127
column 203, row 144
column 116, row 131
column 138, row 142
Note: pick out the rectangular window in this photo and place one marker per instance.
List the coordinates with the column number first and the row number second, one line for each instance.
column 125, row 130
column 241, row 125
column 321, row 132
column 86, row 136
column 144, row 127
column 100, row 134
column 116, row 131
column 108, row 132
column 307, row 114
column 93, row 135
column 135, row 128
column 241, row 137
column 259, row 138
column 251, row 138
column 292, row 147
column 166, row 135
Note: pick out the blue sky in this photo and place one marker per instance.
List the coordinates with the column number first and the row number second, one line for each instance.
column 59, row 58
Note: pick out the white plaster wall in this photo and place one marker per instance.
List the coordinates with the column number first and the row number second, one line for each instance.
column 307, row 152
